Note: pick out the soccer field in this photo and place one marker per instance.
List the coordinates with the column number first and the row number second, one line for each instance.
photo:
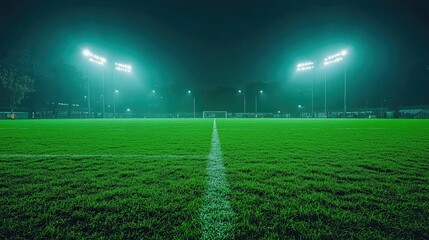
column 151, row 178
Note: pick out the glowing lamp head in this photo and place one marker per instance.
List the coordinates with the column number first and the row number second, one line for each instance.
column 261, row 91
column 189, row 91
column 344, row 52
column 304, row 66
column 86, row 52
column 123, row 67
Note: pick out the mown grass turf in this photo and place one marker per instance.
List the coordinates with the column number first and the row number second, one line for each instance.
column 113, row 197
column 288, row 178
column 119, row 136
column 341, row 179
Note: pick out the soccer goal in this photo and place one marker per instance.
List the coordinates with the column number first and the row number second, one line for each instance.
column 215, row 114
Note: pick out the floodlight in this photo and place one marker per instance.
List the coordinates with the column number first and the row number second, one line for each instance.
column 304, row 66
column 153, row 91
column 123, row 67
column 335, row 58
column 189, row 92
column 94, row 58
column 86, row 52
column 128, row 109
column 239, row 91
column 116, row 91
column 261, row 91
column 100, row 61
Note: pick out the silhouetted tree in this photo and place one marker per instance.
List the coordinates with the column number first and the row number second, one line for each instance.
column 24, row 64
column 16, row 84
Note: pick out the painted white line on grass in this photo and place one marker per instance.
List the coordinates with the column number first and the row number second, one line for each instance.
column 216, row 214
column 98, row 155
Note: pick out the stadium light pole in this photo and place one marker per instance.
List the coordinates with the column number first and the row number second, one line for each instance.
column 256, row 103
column 114, row 102
column 244, row 102
column 97, row 60
column 120, row 67
column 190, row 92
column 338, row 57
column 306, row 66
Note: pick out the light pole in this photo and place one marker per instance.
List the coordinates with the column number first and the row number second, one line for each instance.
column 382, row 108
column 244, row 102
column 120, row 67
column 190, row 92
column 104, row 80
column 300, row 107
column 334, row 59
column 256, row 103
column 305, row 67
column 114, row 102
column 100, row 61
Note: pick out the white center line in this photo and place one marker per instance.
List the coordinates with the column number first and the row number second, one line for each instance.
column 216, row 215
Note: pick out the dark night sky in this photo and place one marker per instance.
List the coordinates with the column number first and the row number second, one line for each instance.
column 205, row 44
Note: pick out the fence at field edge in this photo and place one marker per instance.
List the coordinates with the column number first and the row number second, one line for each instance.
column 410, row 113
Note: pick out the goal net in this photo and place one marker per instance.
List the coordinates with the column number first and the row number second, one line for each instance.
column 215, row 114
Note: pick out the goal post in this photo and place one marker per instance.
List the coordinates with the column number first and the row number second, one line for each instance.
column 215, row 114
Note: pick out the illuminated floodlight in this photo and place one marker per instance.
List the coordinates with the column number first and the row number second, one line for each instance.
column 116, row 91
column 128, row 109
column 94, row 58
column 335, row 58
column 304, row 66
column 153, row 91
column 261, row 91
column 123, row 67
column 239, row 91
column 189, row 91
column 86, row 52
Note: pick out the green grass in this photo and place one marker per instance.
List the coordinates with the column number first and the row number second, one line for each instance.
column 103, row 197
column 320, row 179
column 342, row 179
column 128, row 136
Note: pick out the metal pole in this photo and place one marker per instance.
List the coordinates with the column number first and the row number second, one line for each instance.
column 114, row 94
column 244, row 104
column 89, row 93
column 194, row 106
column 104, row 76
column 326, row 112
column 312, row 95
column 345, row 92
column 256, row 106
